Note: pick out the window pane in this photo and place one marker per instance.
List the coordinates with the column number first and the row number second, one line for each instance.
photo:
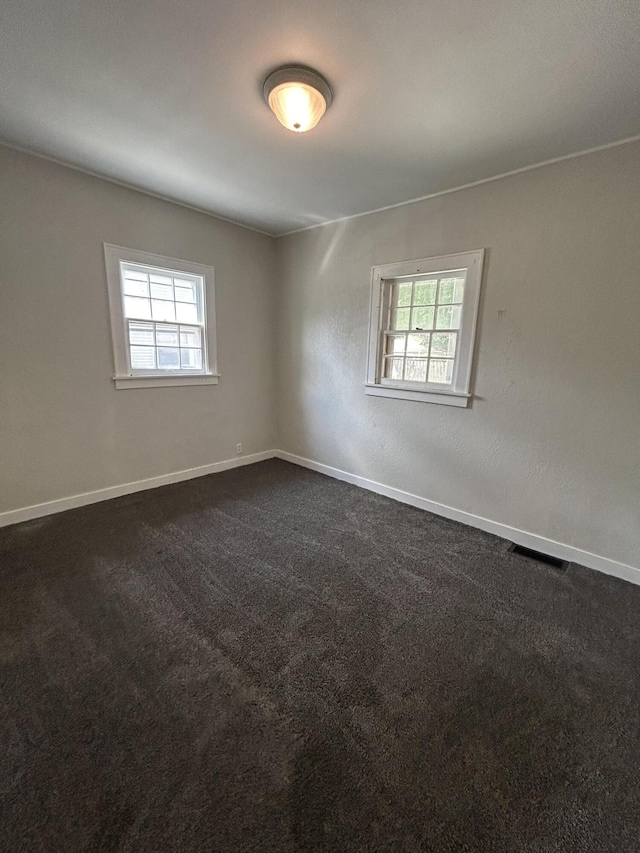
column 418, row 345
column 138, row 308
column 191, row 359
column 163, row 310
column 422, row 318
column 415, row 369
column 400, row 318
column 141, row 333
column 401, row 295
column 448, row 317
column 167, row 336
column 441, row 371
column 133, row 287
column 445, row 293
column 451, row 290
column 185, row 291
column 136, row 275
column 143, row 358
column 189, row 337
column 161, row 291
column 160, row 279
column 395, row 344
column 168, row 358
column 393, row 368
column 444, row 345
column 186, row 313
column 425, row 293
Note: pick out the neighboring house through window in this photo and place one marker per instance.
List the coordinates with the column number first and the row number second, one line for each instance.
column 422, row 328
column 162, row 319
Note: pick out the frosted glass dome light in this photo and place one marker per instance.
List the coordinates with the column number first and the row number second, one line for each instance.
column 298, row 96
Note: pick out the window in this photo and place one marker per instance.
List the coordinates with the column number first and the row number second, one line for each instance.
column 162, row 320
column 422, row 328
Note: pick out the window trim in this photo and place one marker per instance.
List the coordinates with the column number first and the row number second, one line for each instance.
column 458, row 393
column 123, row 376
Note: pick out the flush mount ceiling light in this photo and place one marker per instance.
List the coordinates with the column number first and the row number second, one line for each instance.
column 298, row 96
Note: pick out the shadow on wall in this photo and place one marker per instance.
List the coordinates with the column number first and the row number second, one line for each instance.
column 324, row 347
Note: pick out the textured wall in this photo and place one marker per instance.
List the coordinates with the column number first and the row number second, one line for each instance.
column 550, row 444
column 64, row 429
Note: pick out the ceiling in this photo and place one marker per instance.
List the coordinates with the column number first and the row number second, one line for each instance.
column 428, row 95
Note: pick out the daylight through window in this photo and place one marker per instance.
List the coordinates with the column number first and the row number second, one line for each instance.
column 422, row 331
column 164, row 319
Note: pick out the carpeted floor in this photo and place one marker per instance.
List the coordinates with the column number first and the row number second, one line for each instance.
column 270, row 660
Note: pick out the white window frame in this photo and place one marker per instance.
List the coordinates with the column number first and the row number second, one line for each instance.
column 459, row 392
column 124, row 377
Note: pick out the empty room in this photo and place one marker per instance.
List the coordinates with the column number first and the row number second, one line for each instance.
column 320, row 426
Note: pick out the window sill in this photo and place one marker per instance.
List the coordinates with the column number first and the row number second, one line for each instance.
column 444, row 398
column 127, row 382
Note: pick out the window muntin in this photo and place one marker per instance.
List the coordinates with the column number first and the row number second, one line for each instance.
column 164, row 320
column 423, row 317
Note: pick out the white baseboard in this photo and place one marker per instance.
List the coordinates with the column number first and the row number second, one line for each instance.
column 513, row 534
column 39, row 510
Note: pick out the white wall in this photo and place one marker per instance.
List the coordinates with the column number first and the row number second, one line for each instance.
column 64, row 429
column 551, row 443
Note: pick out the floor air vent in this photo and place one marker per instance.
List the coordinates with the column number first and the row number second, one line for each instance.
column 556, row 562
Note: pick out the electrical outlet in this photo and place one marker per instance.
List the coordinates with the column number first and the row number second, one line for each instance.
column 239, row 447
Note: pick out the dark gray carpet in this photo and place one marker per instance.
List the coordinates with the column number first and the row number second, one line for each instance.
column 270, row 660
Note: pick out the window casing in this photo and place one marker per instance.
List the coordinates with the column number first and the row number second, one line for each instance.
column 422, row 328
column 162, row 319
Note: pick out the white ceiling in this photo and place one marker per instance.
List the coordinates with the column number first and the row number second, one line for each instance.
column 429, row 94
